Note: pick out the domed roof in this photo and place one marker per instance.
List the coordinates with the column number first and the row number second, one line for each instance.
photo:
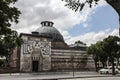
column 47, row 29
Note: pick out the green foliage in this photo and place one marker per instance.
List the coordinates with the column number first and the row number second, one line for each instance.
column 8, row 38
column 9, row 42
column 80, row 42
column 110, row 44
column 111, row 47
column 108, row 49
column 8, row 14
column 78, row 5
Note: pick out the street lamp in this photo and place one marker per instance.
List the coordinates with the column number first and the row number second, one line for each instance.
column 72, row 60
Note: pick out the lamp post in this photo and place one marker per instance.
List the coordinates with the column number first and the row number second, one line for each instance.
column 72, row 60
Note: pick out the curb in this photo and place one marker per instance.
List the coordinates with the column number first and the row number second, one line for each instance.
column 77, row 77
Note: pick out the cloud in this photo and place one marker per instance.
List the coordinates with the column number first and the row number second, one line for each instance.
column 92, row 37
column 85, row 25
column 33, row 12
column 65, row 34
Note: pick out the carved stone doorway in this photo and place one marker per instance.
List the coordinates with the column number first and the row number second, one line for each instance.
column 35, row 65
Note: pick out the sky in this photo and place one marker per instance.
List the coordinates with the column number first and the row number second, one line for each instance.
column 89, row 26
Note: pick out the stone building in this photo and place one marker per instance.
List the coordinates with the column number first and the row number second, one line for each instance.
column 46, row 50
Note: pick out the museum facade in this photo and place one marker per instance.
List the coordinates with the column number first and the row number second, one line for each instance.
column 46, row 50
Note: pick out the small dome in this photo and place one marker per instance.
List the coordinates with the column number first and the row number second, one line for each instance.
column 47, row 29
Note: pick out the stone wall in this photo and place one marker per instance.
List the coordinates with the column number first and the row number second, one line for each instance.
column 69, row 59
column 8, row 70
column 35, row 49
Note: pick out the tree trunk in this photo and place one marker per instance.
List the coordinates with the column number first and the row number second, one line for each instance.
column 96, row 65
column 117, row 63
column 115, row 4
column 113, row 66
column 104, row 64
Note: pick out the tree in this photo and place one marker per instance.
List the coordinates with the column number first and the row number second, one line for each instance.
column 111, row 47
column 118, row 57
column 8, row 44
column 10, row 41
column 8, row 38
column 106, row 50
column 98, row 54
column 8, row 14
column 103, row 56
column 92, row 50
column 80, row 42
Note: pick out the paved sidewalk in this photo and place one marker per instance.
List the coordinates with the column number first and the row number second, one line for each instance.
column 50, row 75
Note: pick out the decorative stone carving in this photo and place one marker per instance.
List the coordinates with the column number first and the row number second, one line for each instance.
column 43, row 45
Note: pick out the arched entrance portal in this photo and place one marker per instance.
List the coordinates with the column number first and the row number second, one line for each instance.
column 36, row 60
column 35, row 65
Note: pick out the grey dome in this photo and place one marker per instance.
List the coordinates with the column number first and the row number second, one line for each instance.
column 47, row 29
